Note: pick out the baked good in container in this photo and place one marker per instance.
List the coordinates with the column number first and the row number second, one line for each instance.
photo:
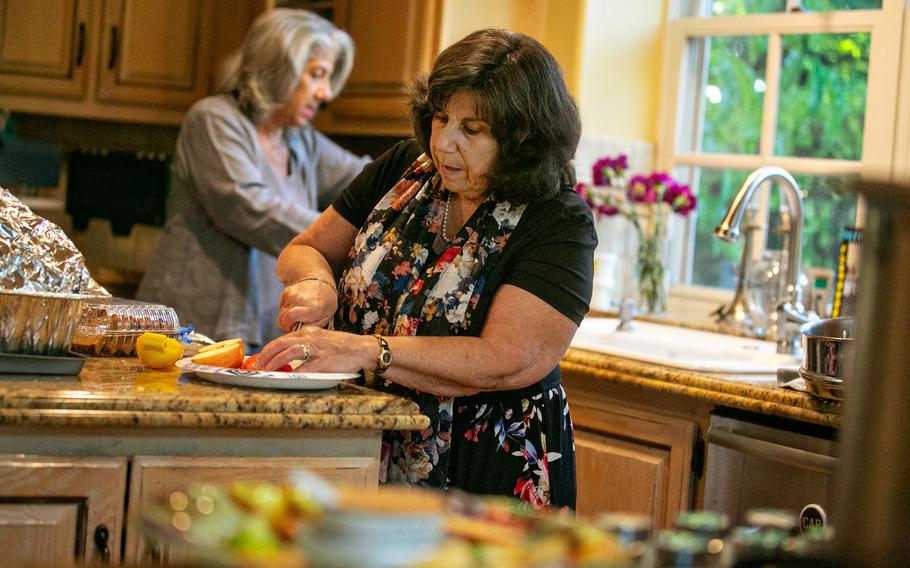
column 110, row 327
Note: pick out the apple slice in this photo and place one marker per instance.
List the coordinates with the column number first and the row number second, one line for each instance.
column 221, row 344
column 228, row 355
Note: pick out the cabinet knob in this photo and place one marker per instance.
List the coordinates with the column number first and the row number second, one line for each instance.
column 102, row 535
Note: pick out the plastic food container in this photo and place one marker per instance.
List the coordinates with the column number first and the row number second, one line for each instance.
column 109, row 328
column 39, row 323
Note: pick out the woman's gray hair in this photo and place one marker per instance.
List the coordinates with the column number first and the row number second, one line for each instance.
column 264, row 71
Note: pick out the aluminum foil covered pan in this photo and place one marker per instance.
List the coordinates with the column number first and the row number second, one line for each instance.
column 39, row 323
column 37, row 256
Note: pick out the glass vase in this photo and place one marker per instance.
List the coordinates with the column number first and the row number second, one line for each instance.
column 649, row 273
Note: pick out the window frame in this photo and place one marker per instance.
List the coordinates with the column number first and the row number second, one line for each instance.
column 886, row 140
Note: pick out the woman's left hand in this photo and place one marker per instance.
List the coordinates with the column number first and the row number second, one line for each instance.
column 321, row 350
column 309, row 302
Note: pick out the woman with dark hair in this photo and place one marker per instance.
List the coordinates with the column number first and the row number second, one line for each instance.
column 463, row 262
column 250, row 172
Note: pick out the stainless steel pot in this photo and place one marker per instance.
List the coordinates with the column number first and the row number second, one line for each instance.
column 828, row 350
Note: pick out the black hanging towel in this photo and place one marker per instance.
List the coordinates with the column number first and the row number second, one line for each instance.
column 123, row 187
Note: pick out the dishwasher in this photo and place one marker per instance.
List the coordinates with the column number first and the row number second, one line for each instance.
column 755, row 461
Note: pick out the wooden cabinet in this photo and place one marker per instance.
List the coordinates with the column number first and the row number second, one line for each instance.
column 629, row 461
column 52, row 507
column 43, row 47
column 61, row 511
column 154, row 478
column 637, row 451
column 155, row 52
column 395, row 40
column 125, row 60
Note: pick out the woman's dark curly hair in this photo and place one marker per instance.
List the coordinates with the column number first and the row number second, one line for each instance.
column 519, row 90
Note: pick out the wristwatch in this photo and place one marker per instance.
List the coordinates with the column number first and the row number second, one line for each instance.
column 384, row 359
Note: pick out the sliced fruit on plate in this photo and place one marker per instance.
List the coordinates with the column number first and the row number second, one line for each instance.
column 221, row 344
column 222, row 354
column 251, row 364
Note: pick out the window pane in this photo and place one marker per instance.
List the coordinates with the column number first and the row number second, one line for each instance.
column 823, row 95
column 745, row 7
column 831, row 5
column 828, row 207
column 733, row 94
column 715, row 261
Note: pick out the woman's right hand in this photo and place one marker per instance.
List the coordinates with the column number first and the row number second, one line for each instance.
column 307, row 302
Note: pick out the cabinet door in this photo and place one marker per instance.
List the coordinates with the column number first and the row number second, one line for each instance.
column 154, row 478
column 43, row 46
column 61, row 511
column 155, row 52
column 630, row 461
column 394, row 40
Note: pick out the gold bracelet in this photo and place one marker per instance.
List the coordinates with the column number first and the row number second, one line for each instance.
column 313, row 279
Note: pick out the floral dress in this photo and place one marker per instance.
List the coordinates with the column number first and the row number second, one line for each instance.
column 516, row 442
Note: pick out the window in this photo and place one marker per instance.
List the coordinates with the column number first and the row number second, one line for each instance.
column 808, row 86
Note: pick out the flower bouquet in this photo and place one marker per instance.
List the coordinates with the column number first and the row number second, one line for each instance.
column 644, row 200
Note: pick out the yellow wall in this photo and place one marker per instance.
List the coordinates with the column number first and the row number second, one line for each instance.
column 554, row 23
column 610, row 51
column 621, row 54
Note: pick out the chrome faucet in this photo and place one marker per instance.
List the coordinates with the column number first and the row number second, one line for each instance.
column 626, row 314
column 790, row 309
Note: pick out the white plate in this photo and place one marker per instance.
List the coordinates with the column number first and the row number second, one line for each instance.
column 264, row 379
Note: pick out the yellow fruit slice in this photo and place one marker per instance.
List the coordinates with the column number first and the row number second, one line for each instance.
column 158, row 351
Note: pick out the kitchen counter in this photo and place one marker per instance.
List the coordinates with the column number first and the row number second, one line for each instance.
column 124, row 393
column 104, row 446
column 759, row 394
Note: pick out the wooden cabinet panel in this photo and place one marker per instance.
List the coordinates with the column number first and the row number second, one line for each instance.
column 154, row 478
column 51, row 508
column 39, row 534
column 43, row 46
column 631, row 460
column 619, row 476
column 155, row 52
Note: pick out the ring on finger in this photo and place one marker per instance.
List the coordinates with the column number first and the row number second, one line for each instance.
column 305, row 356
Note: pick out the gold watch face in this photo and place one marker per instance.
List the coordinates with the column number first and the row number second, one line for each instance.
column 385, row 358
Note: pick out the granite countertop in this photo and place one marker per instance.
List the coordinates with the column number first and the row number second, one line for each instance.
column 758, row 393
column 123, row 392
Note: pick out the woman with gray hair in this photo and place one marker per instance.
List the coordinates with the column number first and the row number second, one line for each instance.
column 250, row 172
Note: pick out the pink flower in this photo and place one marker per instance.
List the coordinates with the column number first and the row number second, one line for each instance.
column 660, row 181
column 680, row 199
column 607, row 170
column 641, row 190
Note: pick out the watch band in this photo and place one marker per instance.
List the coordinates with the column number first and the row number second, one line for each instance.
column 384, row 359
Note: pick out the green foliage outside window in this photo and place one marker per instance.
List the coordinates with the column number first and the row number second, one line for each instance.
column 820, row 115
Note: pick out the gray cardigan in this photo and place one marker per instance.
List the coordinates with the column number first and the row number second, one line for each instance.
column 229, row 215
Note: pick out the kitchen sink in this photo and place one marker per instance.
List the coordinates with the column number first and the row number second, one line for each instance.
column 682, row 348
